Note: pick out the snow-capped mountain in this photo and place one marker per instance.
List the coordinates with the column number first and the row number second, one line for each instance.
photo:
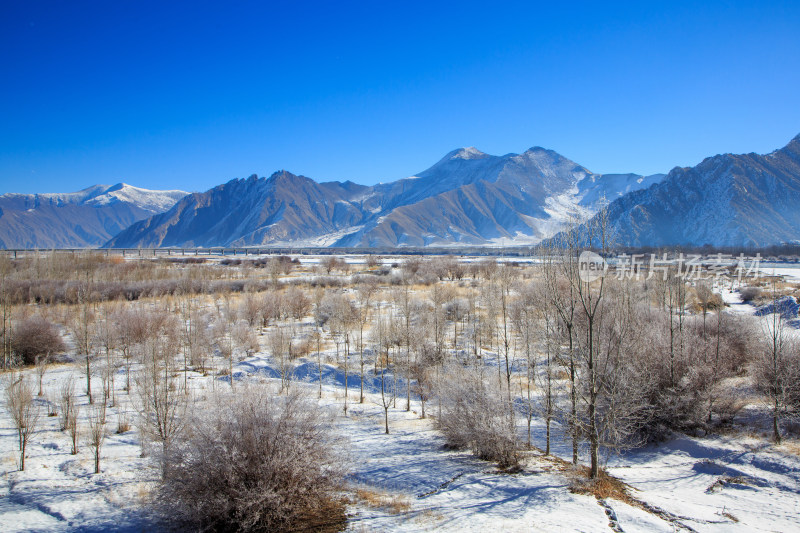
column 473, row 198
column 726, row 200
column 86, row 218
column 283, row 208
column 468, row 197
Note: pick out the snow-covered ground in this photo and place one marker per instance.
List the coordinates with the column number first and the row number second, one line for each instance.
column 712, row 484
column 59, row 491
column 737, row 482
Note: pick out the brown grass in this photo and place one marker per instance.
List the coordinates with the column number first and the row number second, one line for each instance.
column 429, row 515
column 790, row 446
column 605, row 486
column 327, row 518
column 391, row 503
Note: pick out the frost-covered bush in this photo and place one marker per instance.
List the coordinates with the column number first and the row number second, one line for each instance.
column 255, row 463
column 476, row 417
column 748, row 294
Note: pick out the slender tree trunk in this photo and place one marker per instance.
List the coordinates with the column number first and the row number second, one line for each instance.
column 775, row 426
column 573, row 392
column 361, row 350
column 593, row 435
column 88, row 378
column 346, row 358
column 547, row 445
column 319, row 361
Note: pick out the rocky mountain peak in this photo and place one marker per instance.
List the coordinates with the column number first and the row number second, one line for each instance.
column 470, row 152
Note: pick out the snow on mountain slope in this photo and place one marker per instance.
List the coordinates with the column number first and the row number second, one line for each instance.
column 726, row 200
column 470, row 197
column 283, row 208
column 74, row 220
column 467, row 197
column 149, row 200
column 612, row 186
column 101, row 195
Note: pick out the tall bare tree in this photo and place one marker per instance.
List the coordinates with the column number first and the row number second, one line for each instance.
column 777, row 369
column 24, row 412
column 162, row 403
column 96, row 435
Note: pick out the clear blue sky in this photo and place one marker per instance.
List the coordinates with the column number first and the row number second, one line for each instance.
column 190, row 95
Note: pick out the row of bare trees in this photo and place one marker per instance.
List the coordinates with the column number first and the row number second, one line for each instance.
column 611, row 363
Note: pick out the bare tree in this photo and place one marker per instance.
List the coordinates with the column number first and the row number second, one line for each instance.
column 343, row 322
column 365, row 293
column 162, row 403
column 224, row 338
column 705, row 299
column 73, row 428
column 425, row 373
column 82, row 326
column 250, row 310
column 381, row 342
column 96, row 434
column 271, row 307
column 245, row 338
column 590, row 296
column 502, row 283
column 676, row 305
column 405, row 307
column 107, row 337
column 331, row 263
column 135, row 325
column 321, row 317
column 24, row 412
column 777, row 369
column 560, row 265
column 66, row 401
column 41, row 368
column 280, row 347
column 5, row 311
column 297, row 303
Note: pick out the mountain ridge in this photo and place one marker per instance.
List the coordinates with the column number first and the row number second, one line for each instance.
column 86, row 218
column 725, row 200
column 467, row 197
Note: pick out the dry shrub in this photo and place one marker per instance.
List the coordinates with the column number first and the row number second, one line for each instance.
column 748, row 294
column 297, row 303
column 123, row 423
column 302, row 348
column 475, row 417
column 256, row 462
column 34, row 337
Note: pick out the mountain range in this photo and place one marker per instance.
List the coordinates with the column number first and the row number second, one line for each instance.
column 467, row 198
column 726, row 200
column 86, row 218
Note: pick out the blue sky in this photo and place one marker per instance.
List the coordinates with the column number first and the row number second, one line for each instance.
column 190, row 95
